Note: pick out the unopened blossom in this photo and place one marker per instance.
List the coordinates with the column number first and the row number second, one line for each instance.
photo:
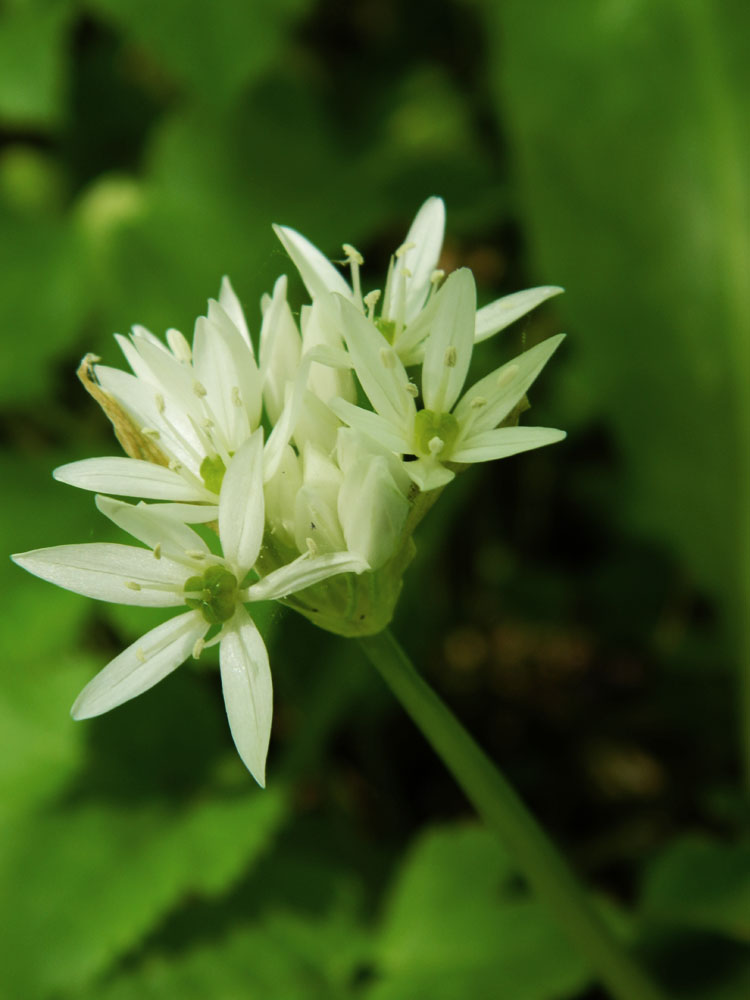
column 444, row 429
column 177, row 569
column 403, row 311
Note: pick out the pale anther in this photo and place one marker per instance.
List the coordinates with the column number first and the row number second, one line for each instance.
column 236, row 398
column 404, row 248
column 195, row 554
column 174, row 465
column 411, row 389
column 478, row 402
column 160, row 404
column 406, row 273
column 435, row 445
column 437, row 276
column 150, row 432
column 199, row 389
column 157, row 550
column 140, row 655
column 132, row 585
column 312, row 546
column 198, row 648
column 506, row 375
column 353, row 255
column 387, row 357
column 451, row 357
column 371, row 299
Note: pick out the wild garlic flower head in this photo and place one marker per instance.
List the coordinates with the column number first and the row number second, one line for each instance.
column 177, row 569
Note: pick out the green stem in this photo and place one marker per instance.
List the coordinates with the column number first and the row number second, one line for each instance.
column 503, row 811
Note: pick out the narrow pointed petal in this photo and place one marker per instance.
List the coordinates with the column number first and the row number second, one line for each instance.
column 501, row 313
column 505, row 441
column 153, row 526
column 130, row 477
column 141, row 666
column 378, row 367
column 231, row 305
column 502, row 389
column 317, row 272
column 426, row 232
column 304, row 572
column 448, row 350
column 248, row 691
column 373, row 425
column 122, row 574
column 241, row 504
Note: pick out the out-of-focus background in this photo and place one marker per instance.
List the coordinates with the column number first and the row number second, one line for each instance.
column 583, row 609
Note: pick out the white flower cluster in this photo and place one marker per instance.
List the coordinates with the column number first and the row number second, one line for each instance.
column 320, row 512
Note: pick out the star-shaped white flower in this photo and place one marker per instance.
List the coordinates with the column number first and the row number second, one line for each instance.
column 403, row 313
column 197, row 406
column 178, row 569
column 442, row 430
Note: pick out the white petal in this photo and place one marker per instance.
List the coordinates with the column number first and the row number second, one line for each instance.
column 429, row 474
column 502, row 389
column 427, row 233
column 188, row 513
column 448, row 350
column 280, row 349
column 151, row 524
column 241, row 505
column 108, row 572
column 231, row 306
column 304, row 572
column 378, row 367
column 141, row 665
column 372, row 510
column 130, row 477
column 248, row 691
column 317, row 272
column 505, row 441
column 373, row 425
column 501, row 313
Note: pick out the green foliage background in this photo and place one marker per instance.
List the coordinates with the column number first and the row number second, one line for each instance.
column 582, row 608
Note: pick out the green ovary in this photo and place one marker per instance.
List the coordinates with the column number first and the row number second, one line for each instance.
column 218, row 594
column 429, row 425
column 387, row 327
column 212, row 472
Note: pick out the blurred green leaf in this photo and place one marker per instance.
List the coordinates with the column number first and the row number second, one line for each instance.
column 214, row 49
column 702, row 883
column 32, row 62
column 629, row 125
column 457, row 925
column 86, row 884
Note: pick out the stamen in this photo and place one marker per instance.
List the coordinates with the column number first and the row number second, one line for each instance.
column 435, row 445
column 404, row 248
column 437, row 276
column 140, row 655
column 174, row 465
column 236, row 397
column 478, row 402
column 160, row 404
column 356, row 260
column 157, row 550
column 371, row 300
column 387, row 357
column 199, row 389
column 195, row 554
column 150, row 432
column 412, row 389
column 506, row 375
column 132, row 585
column 312, row 546
column 451, row 357
column 198, row 648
